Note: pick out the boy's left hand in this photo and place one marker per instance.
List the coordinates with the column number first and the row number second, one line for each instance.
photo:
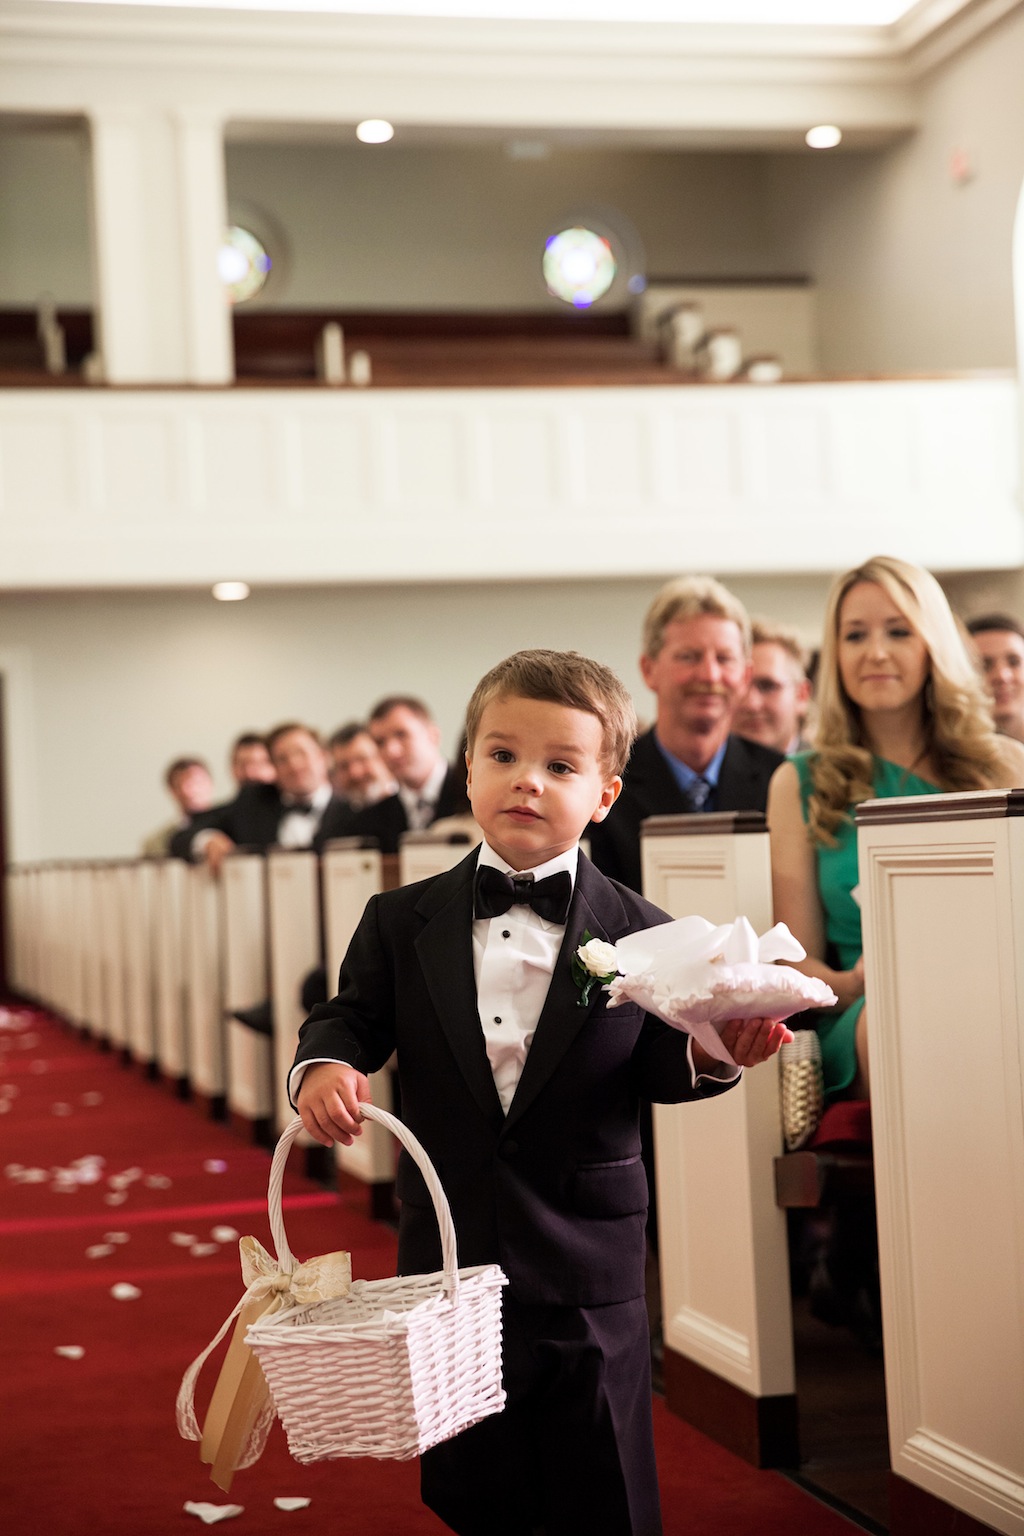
column 751, row 1041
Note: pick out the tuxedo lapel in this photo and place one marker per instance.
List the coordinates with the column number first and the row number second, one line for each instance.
column 444, row 947
column 596, row 907
column 653, row 783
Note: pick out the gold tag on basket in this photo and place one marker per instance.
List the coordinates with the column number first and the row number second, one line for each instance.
column 241, row 1409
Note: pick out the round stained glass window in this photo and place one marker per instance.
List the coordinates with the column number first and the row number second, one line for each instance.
column 579, row 266
column 243, row 264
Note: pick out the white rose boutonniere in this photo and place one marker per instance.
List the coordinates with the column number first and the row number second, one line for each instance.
column 595, row 963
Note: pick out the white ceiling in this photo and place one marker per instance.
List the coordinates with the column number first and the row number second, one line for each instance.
column 840, row 13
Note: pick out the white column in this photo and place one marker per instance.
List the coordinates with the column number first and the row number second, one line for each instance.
column 202, row 220
column 159, row 211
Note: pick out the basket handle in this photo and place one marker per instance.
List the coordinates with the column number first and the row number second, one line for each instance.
column 442, row 1210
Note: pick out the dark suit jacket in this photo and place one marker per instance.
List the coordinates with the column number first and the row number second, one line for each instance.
column 386, row 821
column 554, row 1192
column 251, row 819
column 649, row 789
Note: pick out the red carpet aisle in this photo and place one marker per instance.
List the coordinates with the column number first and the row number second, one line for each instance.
column 108, row 1181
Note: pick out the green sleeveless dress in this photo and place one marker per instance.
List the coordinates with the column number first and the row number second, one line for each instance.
column 837, row 879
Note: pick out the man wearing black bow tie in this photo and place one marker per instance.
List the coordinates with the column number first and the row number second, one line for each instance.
column 286, row 814
column 524, row 1088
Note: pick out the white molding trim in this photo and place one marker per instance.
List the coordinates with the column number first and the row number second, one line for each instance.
column 974, row 1475
column 114, row 488
column 722, row 1350
column 680, row 83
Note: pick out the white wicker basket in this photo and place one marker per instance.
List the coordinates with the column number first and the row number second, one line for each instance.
column 395, row 1366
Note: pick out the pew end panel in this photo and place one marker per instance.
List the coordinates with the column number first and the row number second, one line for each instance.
column 138, row 898
column 942, row 882
column 171, row 978
column 205, row 1010
column 249, row 1092
column 293, row 912
column 724, row 1260
column 353, row 870
column 421, row 855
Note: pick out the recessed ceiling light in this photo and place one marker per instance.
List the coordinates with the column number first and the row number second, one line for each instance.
column 825, row 136
column 374, row 130
column 230, row 591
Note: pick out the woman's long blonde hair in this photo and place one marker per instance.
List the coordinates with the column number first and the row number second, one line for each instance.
column 962, row 743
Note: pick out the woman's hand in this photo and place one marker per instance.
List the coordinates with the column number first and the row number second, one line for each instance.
column 849, row 985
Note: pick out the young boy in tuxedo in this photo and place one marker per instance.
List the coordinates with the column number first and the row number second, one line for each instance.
column 527, row 1103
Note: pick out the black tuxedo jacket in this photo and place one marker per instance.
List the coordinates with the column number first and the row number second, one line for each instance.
column 555, row 1192
column 650, row 789
column 386, row 821
column 251, row 819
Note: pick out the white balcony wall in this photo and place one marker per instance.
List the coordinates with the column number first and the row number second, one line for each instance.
column 179, row 488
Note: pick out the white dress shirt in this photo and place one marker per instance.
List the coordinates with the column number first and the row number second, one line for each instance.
column 297, row 828
column 421, row 804
column 513, row 960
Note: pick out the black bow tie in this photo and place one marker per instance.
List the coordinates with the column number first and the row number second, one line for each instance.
column 302, row 806
column 494, row 893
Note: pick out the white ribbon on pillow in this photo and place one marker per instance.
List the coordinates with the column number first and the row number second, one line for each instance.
column 696, row 976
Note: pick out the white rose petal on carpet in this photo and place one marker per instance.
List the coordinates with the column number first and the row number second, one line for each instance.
column 117, row 1197
column 70, row 1351
column 125, row 1291
column 203, row 1250
column 290, row 1504
column 100, row 1251
column 183, row 1239
column 158, row 1181
column 116, row 1237
column 215, row 1165
column 224, row 1235
column 210, row 1514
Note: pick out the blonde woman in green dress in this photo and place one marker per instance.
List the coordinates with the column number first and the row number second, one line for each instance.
column 901, row 710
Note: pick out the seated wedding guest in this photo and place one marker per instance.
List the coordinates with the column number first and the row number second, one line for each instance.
column 901, row 711
column 696, row 662
column 460, row 825
column 999, row 641
column 286, row 813
column 359, row 775
column 191, row 787
column 250, row 760
column 774, row 710
column 408, row 740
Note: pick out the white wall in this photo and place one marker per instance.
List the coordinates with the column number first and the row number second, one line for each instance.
column 115, row 686
column 44, row 215
column 914, row 271
column 112, row 687
column 452, row 227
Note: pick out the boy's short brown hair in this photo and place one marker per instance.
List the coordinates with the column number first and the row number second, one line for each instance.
column 562, row 677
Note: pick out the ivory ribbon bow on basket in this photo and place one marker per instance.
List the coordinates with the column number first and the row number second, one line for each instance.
column 241, row 1410
column 695, row 976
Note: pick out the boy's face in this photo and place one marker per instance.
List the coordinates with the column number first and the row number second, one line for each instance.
column 536, row 779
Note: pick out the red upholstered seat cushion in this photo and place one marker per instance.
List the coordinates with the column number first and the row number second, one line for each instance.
column 846, row 1123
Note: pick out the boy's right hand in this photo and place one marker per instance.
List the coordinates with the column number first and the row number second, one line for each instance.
column 328, row 1101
